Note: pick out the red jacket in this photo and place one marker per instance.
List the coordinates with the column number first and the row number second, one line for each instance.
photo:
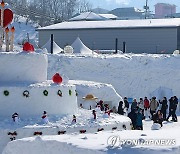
column 146, row 103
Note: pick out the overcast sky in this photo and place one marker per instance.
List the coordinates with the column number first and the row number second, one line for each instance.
column 111, row 4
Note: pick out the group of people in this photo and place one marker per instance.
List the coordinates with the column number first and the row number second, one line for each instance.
column 149, row 109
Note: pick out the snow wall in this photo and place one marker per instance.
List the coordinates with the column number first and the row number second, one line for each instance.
column 23, row 67
column 37, row 102
column 102, row 91
column 131, row 75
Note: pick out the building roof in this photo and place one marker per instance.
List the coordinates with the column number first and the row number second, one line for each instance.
column 141, row 23
column 109, row 16
column 87, row 16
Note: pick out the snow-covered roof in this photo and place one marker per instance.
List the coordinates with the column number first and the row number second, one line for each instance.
column 79, row 47
column 87, row 16
column 56, row 48
column 109, row 16
column 173, row 22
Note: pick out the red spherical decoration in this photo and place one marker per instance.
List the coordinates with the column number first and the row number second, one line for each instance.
column 57, row 78
column 28, row 47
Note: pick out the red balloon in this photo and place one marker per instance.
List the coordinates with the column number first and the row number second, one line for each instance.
column 28, row 47
column 57, row 78
column 8, row 17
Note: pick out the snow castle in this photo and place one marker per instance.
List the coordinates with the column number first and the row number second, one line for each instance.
column 24, row 87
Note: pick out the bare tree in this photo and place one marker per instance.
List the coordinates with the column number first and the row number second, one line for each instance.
column 83, row 6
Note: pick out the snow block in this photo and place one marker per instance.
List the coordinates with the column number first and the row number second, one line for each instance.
column 37, row 102
column 23, row 67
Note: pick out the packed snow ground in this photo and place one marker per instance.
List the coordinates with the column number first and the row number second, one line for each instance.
column 27, row 126
column 97, row 143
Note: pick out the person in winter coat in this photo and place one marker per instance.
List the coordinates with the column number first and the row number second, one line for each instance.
column 132, row 115
column 134, row 104
column 173, row 101
column 101, row 103
column 126, row 103
column 164, row 107
column 120, row 108
column 153, row 106
column 146, row 103
column 139, row 118
column 141, row 106
column 146, row 108
column 158, row 118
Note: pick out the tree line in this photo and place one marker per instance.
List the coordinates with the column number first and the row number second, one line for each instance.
column 46, row 12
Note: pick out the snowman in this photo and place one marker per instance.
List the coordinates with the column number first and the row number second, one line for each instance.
column 45, row 118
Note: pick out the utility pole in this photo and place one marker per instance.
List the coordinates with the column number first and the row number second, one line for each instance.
column 146, row 7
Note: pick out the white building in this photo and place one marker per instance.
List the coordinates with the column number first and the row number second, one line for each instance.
column 141, row 36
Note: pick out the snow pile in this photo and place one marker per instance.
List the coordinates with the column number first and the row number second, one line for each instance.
column 21, row 31
column 79, row 47
column 56, row 48
column 22, row 67
column 105, row 92
column 132, row 75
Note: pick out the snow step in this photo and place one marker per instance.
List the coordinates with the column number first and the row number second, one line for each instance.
column 82, row 131
column 100, row 129
column 38, row 133
column 61, row 132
